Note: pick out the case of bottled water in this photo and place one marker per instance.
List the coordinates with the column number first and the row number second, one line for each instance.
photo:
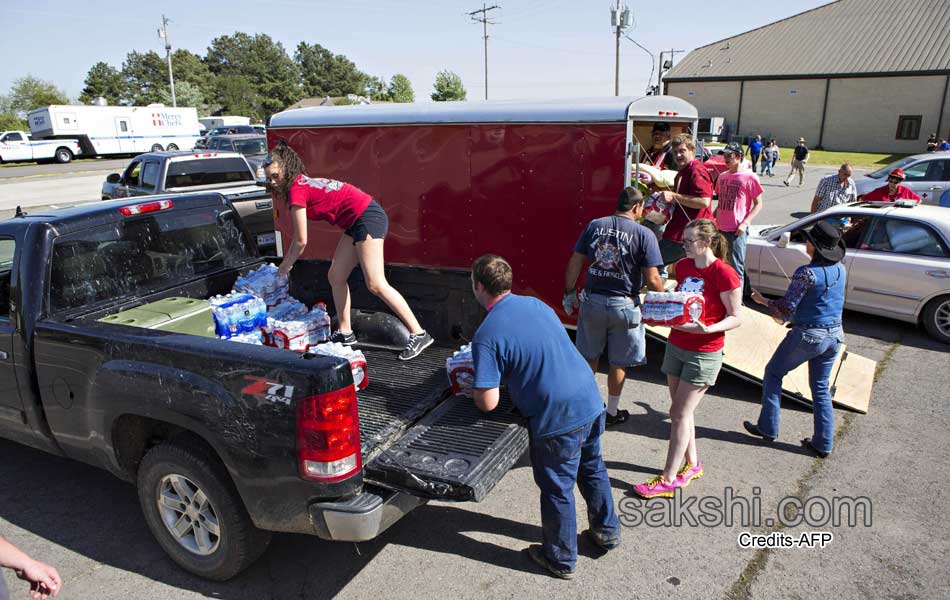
column 237, row 313
column 295, row 328
column 672, row 308
column 264, row 283
column 461, row 370
column 355, row 357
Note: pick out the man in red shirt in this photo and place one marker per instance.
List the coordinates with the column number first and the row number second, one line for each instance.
column 691, row 200
column 893, row 190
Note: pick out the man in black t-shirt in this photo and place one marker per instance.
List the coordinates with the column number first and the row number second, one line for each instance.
column 799, row 158
column 621, row 254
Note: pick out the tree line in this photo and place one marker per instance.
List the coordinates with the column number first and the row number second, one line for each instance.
column 241, row 74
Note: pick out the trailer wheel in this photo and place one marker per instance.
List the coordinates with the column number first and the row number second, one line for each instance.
column 156, row 147
column 172, row 147
column 937, row 319
column 194, row 512
column 63, row 155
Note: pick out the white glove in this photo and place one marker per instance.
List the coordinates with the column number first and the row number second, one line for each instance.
column 570, row 302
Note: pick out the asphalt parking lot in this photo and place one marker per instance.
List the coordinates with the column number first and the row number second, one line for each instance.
column 89, row 525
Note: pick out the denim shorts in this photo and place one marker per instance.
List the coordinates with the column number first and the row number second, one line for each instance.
column 612, row 322
column 696, row 368
column 373, row 222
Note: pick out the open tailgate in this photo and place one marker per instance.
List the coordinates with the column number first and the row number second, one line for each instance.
column 419, row 439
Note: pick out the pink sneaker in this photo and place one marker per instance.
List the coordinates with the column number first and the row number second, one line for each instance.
column 689, row 472
column 656, row 487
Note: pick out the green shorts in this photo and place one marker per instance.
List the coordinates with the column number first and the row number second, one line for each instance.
column 696, row 368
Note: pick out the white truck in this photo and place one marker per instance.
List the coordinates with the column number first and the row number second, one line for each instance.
column 18, row 146
column 105, row 130
column 210, row 123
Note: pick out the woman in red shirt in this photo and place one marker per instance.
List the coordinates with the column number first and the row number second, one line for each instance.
column 364, row 224
column 893, row 190
column 694, row 351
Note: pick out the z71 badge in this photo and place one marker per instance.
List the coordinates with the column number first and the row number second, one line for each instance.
column 272, row 391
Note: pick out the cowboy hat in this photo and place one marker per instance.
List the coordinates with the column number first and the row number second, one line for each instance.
column 826, row 240
column 801, row 140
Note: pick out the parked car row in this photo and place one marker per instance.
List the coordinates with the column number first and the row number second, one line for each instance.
column 928, row 176
column 203, row 141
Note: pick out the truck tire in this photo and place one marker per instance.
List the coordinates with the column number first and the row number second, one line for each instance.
column 156, row 148
column 194, row 512
column 172, row 147
column 936, row 319
column 63, row 155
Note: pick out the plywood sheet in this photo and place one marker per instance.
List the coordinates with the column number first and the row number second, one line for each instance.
column 750, row 347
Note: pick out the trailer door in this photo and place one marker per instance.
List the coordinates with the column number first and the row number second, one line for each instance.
column 123, row 134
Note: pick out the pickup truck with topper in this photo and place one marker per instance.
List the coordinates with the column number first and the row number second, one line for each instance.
column 225, row 442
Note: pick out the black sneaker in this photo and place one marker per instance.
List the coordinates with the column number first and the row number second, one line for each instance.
column 754, row 430
column 537, row 555
column 617, row 419
column 605, row 544
column 347, row 339
column 417, row 343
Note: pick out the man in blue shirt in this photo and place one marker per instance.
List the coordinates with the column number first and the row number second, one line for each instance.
column 755, row 150
column 621, row 255
column 523, row 344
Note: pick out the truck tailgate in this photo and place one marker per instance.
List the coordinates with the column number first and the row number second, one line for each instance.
column 418, row 439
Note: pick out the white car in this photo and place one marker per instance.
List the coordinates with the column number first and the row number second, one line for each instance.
column 897, row 260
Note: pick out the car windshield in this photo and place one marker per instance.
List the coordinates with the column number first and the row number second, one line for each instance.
column 251, row 146
column 881, row 173
column 141, row 255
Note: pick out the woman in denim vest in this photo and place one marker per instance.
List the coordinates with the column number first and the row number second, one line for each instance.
column 813, row 304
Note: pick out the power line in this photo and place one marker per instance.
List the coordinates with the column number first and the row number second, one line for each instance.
column 483, row 19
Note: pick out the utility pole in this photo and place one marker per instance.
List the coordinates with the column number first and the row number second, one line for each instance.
column 664, row 66
column 620, row 20
column 163, row 33
column 483, row 19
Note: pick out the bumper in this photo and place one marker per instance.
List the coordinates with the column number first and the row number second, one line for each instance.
column 362, row 517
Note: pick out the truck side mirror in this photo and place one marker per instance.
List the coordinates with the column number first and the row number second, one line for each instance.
column 784, row 239
column 113, row 178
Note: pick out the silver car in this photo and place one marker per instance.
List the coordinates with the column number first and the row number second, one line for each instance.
column 897, row 259
column 928, row 175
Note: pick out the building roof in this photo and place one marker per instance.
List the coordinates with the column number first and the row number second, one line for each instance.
column 843, row 38
column 592, row 110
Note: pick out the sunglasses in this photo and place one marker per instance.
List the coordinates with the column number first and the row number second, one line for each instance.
column 893, row 180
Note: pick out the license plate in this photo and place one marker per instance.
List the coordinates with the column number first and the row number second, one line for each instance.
column 266, row 239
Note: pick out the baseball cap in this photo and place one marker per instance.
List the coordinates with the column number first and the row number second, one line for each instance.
column 733, row 148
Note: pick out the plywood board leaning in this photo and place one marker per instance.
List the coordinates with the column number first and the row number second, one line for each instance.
column 750, row 347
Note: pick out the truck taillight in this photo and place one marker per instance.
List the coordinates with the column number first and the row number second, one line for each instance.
column 145, row 207
column 328, row 436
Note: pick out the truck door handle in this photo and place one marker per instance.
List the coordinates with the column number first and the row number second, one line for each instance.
column 3, row 355
column 935, row 188
column 262, row 205
column 941, row 274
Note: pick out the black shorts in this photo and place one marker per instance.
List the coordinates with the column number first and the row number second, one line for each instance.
column 372, row 222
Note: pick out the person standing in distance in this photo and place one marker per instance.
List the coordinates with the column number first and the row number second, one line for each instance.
column 754, row 150
column 364, row 224
column 740, row 200
column 621, row 255
column 522, row 343
column 799, row 159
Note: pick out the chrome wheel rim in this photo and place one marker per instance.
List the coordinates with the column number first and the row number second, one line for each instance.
column 188, row 515
column 942, row 317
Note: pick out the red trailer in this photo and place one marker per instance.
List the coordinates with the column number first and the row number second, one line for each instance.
column 460, row 179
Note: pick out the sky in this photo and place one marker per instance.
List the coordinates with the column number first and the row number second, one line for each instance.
column 536, row 49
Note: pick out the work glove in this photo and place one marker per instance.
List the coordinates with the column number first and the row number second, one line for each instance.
column 570, row 302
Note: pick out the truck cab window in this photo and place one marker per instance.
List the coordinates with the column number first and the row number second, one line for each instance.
column 150, row 176
column 13, row 137
column 7, row 249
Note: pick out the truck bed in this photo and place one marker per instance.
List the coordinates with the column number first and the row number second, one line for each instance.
column 419, row 439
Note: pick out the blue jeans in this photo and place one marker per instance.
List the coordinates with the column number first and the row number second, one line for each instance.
column 558, row 463
column 755, row 160
column 766, row 166
column 737, row 252
column 819, row 347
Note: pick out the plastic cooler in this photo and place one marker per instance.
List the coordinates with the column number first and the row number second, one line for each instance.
column 176, row 314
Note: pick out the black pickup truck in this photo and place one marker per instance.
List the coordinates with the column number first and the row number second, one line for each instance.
column 225, row 442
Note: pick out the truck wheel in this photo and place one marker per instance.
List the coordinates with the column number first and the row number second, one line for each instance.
column 63, row 155
column 156, row 147
column 172, row 147
column 937, row 319
column 194, row 512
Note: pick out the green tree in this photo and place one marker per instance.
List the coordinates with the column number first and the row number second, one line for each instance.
column 186, row 94
column 448, row 86
column 258, row 62
column 376, row 89
column 191, row 68
column 106, row 81
column 11, row 122
column 145, row 74
column 29, row 92
column 326, row 74
column 400, row 90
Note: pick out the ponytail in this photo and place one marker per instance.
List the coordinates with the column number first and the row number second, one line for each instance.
column 706, row 229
